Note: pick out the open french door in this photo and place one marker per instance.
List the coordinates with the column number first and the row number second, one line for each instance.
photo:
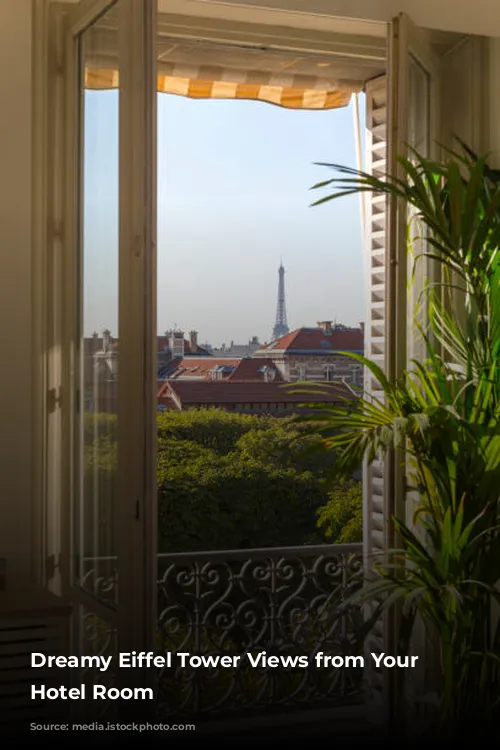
column 402, row 111
column 109, row 351
column 414, row 100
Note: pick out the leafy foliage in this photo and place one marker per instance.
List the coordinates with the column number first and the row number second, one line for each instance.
column 457, row 203
column 443, row 416
column 283, row 446
column 233, row 504
column 341, row 519
column 216, row 429
column 230, row 481
column 225, row 481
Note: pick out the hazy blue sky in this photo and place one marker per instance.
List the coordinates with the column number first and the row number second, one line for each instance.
column 233, row 197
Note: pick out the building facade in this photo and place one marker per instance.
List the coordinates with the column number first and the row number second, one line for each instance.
column 275, row 399
column 317, row 354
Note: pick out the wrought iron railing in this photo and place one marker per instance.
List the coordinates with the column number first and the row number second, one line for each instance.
column 284, row 601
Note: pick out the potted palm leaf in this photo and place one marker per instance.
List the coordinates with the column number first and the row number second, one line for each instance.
column 443, row 414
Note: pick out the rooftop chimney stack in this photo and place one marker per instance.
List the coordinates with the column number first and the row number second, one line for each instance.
column 177, row 344
column 106, row 340
column 326, row 325
column 193, row 341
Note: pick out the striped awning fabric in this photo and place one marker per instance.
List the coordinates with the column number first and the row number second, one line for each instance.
column 291, row 97
column 290, row 81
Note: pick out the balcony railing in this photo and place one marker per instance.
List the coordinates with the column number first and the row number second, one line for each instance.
column 284, row 601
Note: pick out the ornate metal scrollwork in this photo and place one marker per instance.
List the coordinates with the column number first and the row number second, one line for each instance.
column 281, row 601
column 98, row 638
column 284, row 601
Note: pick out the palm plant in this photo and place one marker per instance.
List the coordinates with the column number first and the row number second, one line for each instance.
column 443, row 414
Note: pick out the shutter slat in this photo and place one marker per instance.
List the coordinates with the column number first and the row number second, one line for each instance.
column 375, row 344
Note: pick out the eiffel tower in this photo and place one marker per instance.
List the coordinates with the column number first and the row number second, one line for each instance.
column 281, row 325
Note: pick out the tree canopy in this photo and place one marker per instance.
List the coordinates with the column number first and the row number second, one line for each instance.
column 230, row 481
column 233, row 481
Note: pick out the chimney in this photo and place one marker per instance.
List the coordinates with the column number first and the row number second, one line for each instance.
column 177, row 344
column 326, row 325
column 362, row 327
column 106, row 340
column 193, row 341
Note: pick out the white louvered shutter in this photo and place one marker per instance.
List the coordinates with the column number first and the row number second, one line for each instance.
column 400, row 111
column 374, row 517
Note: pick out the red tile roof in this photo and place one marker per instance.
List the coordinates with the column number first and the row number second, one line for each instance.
column 227, row 392
column 197, row 367
column 318, row 340
column 250, row 370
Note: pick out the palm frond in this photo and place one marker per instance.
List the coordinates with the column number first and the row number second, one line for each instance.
column 443, row 414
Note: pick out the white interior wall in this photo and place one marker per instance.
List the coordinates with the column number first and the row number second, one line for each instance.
column 463, row 94
column 15, row 288
column 464, row 16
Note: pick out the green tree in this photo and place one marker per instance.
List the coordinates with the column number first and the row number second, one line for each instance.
column 225, row 481
column 174, row 453
column 216, row 429
column 341, row 519
column 233, row 481
column 282, row 445
column 99, row 425
column 227, row 502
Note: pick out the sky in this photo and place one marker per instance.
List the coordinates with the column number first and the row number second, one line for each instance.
column 234, row 197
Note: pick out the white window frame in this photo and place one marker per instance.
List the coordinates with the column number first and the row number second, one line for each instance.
column 56, row 213
column 57, row 153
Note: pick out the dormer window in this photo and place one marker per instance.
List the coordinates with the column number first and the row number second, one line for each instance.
column 357, row 375
column 329, row 371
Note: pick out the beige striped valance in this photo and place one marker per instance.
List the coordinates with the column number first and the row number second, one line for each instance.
column 211, row 72
column 292, row 97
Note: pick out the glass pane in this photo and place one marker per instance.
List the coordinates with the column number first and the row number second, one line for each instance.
column 98, row 326
column 245, row 268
